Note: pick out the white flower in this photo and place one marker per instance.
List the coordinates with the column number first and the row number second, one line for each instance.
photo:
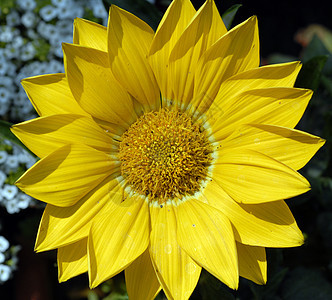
column 4, row 244
column 3, row 65
column 6, row 33
column 3, row 157
column 11, row 71
column 3, row 176
column 9, row 191
column 5, row 272
column 28, row 51
column 12, row 206
column 23, row 201
column 29, row 19
column 2, row 257
column 48, row 12
column 12, row 162
column 13, row 18
column 60, row 3
column 18, row 41
column 99, row 10
column 6, row 81
column 27, row 4
column 55, row 66
column 70, row 11
column 5, row 95
column 47, row 31
column 11, row 51
column 65, row 27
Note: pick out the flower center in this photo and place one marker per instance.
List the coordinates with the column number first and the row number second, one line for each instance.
column 165, row 156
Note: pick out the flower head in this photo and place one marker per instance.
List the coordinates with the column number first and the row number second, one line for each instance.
column 166, row 152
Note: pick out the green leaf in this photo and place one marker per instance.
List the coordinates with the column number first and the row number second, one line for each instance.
column 310, row 74
column 140, row 8
column 6, row 134
column 317, row 48
column 229, row 14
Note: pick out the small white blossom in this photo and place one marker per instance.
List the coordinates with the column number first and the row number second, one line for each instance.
column 18, row 41
column 3, row 157
column 65, row 27
column 12, row 162
column 4, row 244
column 13, row 18
column 5, row 95
column 48, row 12
column 11, row 71
column 2, row 258
column 5, row 272
column 12, row 206
column 60, row 3
column 27, row 4
column 3, row 176
column 11, row 51
column 6, row 34
column 9, row 191
column 99, row 10
column 28, row 52
column 29, row 19
column 23, row 201
column 3, row 65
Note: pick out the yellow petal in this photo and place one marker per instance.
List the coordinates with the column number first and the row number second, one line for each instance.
column 50, row 94
column 235, row 52
column 90, row 34
column 117, row 239
column 204, row 29
column 141, row 279
column 46, row 134
column 207, row 236
column 129, row 40
column 292, row 147
column 273, row 106
column 60, row 227
column 66, row 175
column 172, row 25
column 277, row 75
column 252, row 263
column 72, row 260
column 94, row 87
column 251, row 177
column 266, row 225
column 176, row 270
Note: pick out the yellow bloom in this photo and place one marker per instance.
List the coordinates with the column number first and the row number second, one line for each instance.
column 164, row 153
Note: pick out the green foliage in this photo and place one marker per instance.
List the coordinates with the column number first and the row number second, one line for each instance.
column 6, row 134
column 229, row 14
column 310, row 75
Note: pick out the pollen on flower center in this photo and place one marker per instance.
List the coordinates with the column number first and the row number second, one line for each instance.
column 164, row 155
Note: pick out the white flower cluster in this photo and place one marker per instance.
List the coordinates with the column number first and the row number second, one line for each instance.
column 14, row 160
column 30, row 44
column 8, row 259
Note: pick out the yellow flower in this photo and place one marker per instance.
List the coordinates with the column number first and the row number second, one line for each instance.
column 166, row 152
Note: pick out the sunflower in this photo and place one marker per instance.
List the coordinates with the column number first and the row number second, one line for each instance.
column 162, row 153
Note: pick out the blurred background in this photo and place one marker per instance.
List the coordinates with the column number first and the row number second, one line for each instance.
column 31, row 33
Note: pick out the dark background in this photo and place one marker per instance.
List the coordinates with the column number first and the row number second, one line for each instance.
column 279, row 20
